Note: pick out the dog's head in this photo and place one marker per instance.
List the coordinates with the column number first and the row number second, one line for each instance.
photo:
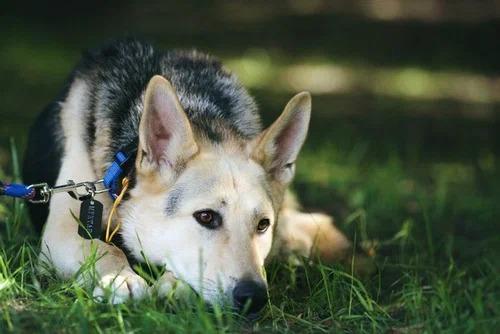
column 207, row 211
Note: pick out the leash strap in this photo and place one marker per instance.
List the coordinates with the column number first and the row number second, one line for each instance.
column 112, row 181
column 115, row 182
column 17, row 190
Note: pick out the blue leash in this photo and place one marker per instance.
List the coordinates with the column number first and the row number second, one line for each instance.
column 41, row 192
column 17, row 190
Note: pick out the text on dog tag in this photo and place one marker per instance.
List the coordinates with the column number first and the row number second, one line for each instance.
column 90, row 219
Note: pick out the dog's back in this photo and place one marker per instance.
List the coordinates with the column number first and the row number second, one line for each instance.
column 115, row 77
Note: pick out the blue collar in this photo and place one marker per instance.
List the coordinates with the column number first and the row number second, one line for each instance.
column 119, row 168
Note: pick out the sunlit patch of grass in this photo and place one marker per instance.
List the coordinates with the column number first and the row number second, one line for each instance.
column 260, row 69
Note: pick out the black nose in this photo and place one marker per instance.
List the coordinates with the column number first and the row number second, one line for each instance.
column 250, row 296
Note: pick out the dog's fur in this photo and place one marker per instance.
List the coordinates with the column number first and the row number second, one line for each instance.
column 201, row 146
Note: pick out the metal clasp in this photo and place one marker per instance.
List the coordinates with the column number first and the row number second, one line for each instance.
column 78, row 190
column 42, row 193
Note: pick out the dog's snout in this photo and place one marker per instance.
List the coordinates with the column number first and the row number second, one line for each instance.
column 250, row 296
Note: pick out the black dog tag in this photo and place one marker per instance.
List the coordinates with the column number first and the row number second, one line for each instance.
column 91, row 219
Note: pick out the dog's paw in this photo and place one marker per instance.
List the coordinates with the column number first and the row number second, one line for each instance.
column 167, row 286
column 118, row 288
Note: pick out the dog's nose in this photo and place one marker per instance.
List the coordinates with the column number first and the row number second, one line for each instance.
column 250, row 296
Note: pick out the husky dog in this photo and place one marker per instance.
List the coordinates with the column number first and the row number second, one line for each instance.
column 208, row 187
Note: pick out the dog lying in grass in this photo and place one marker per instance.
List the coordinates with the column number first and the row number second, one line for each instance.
column 208, row 187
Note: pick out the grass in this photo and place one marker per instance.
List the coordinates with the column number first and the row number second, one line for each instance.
column 403, row 151
column 432, row 229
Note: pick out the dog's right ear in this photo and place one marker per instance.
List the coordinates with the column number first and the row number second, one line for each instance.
column 165, row 135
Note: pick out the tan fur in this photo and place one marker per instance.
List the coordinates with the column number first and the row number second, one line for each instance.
column 309, row 234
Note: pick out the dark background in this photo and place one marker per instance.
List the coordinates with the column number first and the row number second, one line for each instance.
column 422, row 73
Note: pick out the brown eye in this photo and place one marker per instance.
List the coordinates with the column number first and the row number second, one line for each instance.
column 208, row 218
column 263, row 225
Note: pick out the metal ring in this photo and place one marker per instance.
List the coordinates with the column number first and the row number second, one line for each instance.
column 41, row 189
column 90, row 188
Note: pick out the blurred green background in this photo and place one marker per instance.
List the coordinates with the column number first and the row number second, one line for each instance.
column 406, row 85
column 405, row 73
column 404, row 144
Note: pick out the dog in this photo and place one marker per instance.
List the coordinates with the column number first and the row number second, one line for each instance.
column 208, row 186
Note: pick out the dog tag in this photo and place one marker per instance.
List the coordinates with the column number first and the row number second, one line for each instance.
column 90, row 219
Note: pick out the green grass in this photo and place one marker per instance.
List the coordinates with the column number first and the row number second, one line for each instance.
column 403, row 151
column 432, row 227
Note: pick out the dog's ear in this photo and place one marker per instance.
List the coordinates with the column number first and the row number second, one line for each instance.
column 165, row 134
column 276, row 148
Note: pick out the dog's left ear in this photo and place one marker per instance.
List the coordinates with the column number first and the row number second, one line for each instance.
column 277, row 148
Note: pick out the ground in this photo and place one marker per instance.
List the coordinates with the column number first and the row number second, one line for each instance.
column 403, row 151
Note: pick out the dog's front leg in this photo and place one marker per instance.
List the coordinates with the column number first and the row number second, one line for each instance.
column 66, row 251
column 169, row 286
column 117, row 280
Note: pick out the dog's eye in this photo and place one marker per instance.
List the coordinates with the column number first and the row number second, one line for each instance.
column 263, row 225
column 208, row 218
